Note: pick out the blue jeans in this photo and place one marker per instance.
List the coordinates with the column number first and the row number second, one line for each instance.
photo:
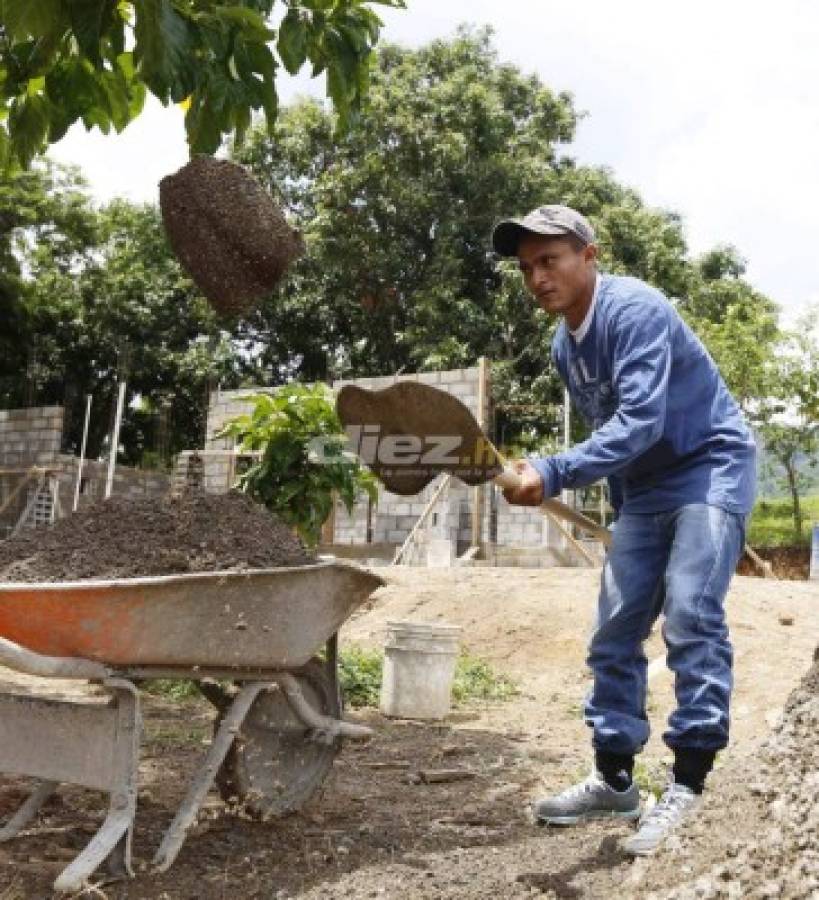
column 679, row 563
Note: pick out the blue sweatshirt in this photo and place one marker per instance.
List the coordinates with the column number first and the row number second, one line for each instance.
column 666, row 431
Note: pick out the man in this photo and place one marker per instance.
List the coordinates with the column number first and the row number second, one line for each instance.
column 681, row 469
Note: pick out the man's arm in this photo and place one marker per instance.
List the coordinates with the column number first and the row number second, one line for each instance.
column 641, row 364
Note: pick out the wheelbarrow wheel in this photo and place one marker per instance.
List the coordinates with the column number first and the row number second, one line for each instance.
column 274, row 767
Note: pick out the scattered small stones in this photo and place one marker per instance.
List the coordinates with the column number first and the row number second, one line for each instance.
column 777, row 856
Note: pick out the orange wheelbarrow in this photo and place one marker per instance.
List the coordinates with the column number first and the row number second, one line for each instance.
column 278, row 727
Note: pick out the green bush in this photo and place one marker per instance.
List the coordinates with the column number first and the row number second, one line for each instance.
column 360, row 672
column 291, row 478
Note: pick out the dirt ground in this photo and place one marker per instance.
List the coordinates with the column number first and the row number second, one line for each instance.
column 785, row 562
column 377, row 831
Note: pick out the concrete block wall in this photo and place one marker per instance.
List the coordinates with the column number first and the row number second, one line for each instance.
column 128, row 482
column 394, row 516
column 224, row 405
column 33, row 437
column 30, row 436
column 520, row 526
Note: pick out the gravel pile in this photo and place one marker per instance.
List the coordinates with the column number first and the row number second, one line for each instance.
column 126, row 538
column 758, row 836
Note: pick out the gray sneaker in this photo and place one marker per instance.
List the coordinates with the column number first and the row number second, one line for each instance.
column 590, row 799
column 676, row 803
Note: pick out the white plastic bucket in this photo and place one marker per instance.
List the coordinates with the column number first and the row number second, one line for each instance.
column 419, row 664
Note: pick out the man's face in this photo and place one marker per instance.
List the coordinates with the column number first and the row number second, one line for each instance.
column 560, row 277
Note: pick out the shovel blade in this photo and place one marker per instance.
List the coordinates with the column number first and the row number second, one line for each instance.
column 409, row 433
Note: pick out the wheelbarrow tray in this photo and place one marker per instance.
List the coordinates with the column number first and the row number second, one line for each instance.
column 264, row 618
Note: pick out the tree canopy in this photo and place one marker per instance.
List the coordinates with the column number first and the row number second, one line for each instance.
column 397, row 214
column 63, row 61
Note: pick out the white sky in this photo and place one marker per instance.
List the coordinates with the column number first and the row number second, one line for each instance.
column 709, row 109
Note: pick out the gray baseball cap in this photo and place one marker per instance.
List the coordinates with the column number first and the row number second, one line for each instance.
column 548, row 220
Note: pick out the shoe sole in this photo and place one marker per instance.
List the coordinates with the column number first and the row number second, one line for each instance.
column 628, row 816
column 645, row 851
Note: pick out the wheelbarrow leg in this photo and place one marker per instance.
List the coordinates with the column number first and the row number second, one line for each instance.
column 113, row 840
column 201, row 784
column 28, row 810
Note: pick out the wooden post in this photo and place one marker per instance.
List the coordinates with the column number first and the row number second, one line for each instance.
column 112, row 456
column 444, row 483
column 479, row 492
column 763, row 565
column 27, row 476
column 567, row 432
column 81, row 462
column 572, row 541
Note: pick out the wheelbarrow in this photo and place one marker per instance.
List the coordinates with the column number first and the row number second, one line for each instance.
column 278, row 726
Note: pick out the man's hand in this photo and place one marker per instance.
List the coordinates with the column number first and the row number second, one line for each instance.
column 530, row 490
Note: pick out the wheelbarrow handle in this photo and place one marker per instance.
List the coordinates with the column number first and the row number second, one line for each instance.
column 509, row 478
column 23, row 660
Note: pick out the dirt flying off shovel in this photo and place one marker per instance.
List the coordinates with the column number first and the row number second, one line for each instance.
column 410, row 432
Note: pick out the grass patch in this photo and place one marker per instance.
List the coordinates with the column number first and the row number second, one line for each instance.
column 361, row 671
column 771, row 522
column 650, row 777
column 476, row 680
column 176, row 689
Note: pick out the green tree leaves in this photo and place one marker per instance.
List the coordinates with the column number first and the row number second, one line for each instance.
column 217, row 56
column 165, row 44
column 23, row 19
column 292, row 43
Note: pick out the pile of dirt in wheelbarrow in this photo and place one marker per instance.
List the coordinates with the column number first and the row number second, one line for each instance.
column 127, row 538
column 758, row 835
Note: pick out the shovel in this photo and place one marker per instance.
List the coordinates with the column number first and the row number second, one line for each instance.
column 410, row 432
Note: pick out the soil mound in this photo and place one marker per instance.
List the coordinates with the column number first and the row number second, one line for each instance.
column 227, row 232
column 127, row 538
column 789, row 563
column 759, row 833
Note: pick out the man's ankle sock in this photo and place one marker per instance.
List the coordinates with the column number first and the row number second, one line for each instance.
column 616, row 768
column 691, row 767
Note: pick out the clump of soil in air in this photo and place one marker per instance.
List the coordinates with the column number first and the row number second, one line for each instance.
column 128, row 538
column 227, row 232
